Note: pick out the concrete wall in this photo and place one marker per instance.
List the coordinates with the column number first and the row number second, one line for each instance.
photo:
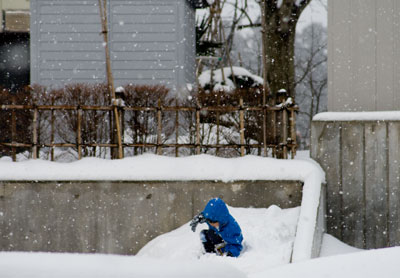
column 363, row 55
column 151, row 42
column 117, row 217
column 361, row 160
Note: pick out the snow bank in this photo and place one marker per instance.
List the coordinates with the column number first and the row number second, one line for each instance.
column 52, row 265
column 201, row 167
column 358, row 116
column 268, row 239
column 331, row 246
column 372, row 263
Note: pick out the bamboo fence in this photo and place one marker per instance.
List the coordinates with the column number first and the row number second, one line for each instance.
column 286, row 144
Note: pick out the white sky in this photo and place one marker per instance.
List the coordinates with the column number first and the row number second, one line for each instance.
column 316, row 11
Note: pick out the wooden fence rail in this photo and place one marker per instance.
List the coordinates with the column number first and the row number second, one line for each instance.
column 283, row 143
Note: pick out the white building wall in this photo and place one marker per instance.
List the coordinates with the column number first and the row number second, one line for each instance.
column 363, row 55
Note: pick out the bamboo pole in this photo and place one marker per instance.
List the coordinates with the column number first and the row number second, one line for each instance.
column 79, row 133
column 293, row 132
column 265, row 76
column 176, row 130
column 241, row 119
column 110, row 79
column 121, row 114
column 52, row 132
column 35, row 133
column 284, row 132
column 198, row 127
column 222, row 109
column 159, row 128
column 13, row 130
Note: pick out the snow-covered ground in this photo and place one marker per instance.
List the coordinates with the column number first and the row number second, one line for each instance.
column 269, row 233
column 364, row 264
column 268, row 238
column 163, row 257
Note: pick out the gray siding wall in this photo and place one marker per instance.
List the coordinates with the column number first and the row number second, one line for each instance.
column 66, row 42
column 363, row 55
column 151, row 42
column 362, row 166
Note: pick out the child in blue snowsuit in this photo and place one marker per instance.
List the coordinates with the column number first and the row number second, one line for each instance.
column 224, row 236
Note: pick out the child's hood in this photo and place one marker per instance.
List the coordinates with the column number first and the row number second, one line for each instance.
column 216, row 210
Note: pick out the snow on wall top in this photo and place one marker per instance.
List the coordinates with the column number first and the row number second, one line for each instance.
column 358, row 116
column 153, row 167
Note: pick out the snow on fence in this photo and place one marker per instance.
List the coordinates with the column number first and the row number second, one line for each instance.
column 279, row 140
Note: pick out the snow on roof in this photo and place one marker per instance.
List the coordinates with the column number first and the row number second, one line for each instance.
column 358, row 116
column 219, row 76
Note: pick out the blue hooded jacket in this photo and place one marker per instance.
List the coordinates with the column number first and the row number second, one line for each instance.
column 217, row 211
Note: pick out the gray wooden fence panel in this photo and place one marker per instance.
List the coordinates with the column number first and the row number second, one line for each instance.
column 352, row 174
column 394, row 181
column 369, row 178
column 326, row 151
column 376, row 184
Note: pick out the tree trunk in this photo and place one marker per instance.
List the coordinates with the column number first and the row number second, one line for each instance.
column 280, row 37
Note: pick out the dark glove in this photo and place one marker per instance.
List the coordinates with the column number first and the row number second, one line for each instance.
column 199, row 218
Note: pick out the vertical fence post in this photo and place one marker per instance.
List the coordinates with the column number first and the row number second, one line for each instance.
column 273, row 127
column 112, row 134
column 218, row 115
column 35, row 132
column 284, row 131
column 13, row 129
column 241, row 119
column 121, row 113
column 79, row 132
column 176, row 128
column 52, row 133
column 198, row 127
column 293, row 132
column 265, row 128
column 159, row 128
